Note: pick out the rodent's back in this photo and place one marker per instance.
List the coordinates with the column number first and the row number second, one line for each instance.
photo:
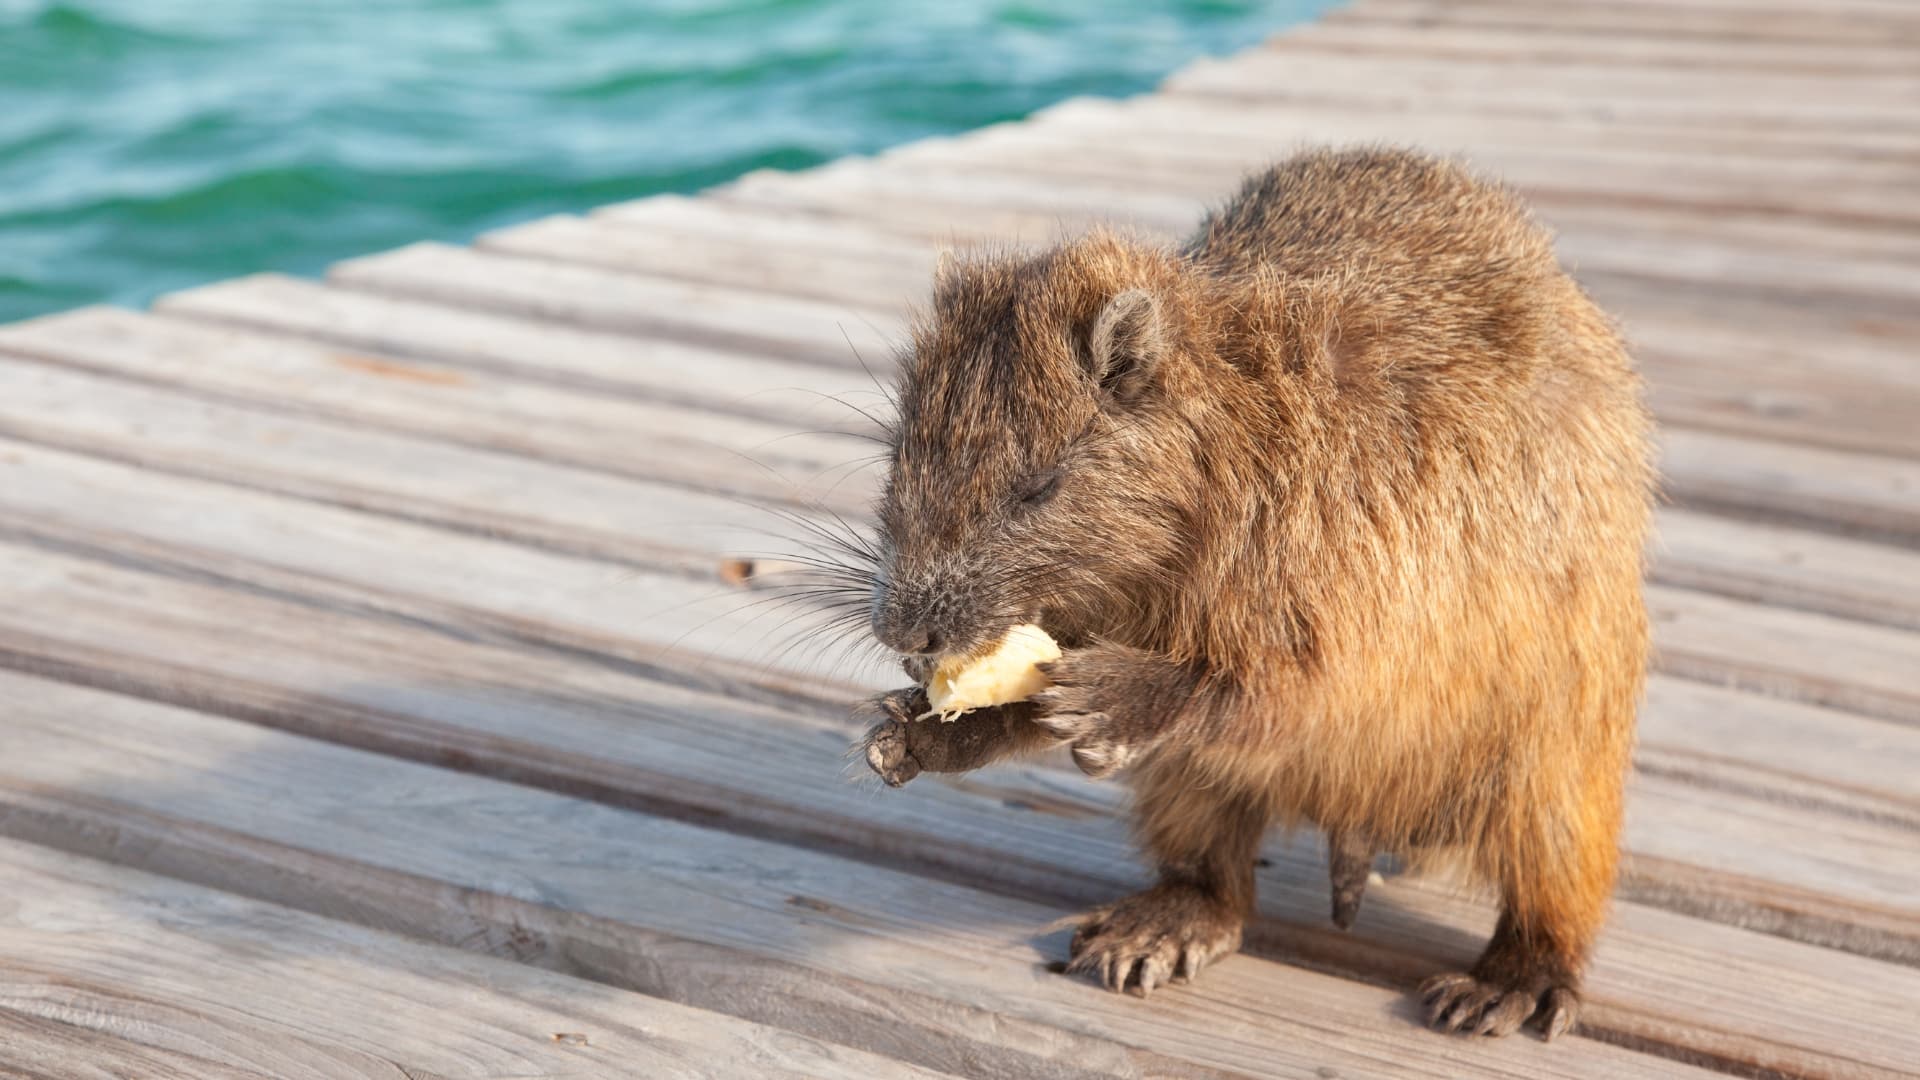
column 1388, row 210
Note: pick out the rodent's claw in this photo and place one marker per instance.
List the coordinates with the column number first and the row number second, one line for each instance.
column 1097, row 704
column 1163, row 935
column 1097, row 754
column 1463, row 1003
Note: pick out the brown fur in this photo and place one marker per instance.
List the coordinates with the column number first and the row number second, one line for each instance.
column 1339, row 511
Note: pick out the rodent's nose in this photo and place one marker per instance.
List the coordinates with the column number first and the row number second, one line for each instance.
column 916, row 640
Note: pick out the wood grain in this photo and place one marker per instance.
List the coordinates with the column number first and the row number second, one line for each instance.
column 731, row 454
column 701, row 628
column 179, row 980
column 650, row 307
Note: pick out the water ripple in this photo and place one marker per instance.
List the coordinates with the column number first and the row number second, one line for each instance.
column 149, row 145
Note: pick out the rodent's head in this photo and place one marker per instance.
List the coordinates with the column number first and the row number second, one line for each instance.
column 1040, row 470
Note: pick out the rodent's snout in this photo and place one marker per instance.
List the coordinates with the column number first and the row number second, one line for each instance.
column 912, row 639
column 906, row 629
column 928, row 616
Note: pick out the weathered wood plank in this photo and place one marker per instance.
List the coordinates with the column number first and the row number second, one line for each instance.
column 584, row 729
column 1815, row 658
column 1818, row 488
column 1788, row 567
column 1588, row 153
column 712, row 451
column 631, row 522
column 653, row 369
column 695, row 627
column 1637, row 20
column 35, row 1049
column 879, row 272
column 1713, row 99
column 765, row 931
column 832, row 334
column 1365, row 30
column 230, row 985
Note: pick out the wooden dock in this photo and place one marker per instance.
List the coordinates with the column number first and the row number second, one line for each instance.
column 376, row 698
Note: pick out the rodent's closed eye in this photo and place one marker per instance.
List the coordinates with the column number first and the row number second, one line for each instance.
column 1036, row 489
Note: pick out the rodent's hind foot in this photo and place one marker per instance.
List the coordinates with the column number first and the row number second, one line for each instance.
column 1477, row 1006
column 1165, row 934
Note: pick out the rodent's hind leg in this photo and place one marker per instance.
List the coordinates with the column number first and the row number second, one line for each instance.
column 1349, row 864
column 1205, row 840
column 1523, row 973
column 902, row 746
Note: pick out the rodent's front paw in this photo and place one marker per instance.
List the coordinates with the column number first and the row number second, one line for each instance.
column 1085, row 708
column 886, row 748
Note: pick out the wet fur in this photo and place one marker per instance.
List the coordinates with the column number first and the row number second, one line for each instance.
column 1346, row 529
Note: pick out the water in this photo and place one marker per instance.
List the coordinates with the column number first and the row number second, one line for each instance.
column 148, row 145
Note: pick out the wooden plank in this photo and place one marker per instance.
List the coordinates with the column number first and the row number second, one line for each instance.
column 811, row 942
column 1787, row 752
column 1767, row 10
column 1815, row 658
column 1788, row 567
column 1642, row 20
column 225, row 985
column 770, row 200
column 730, row 454
column 1618, row 156
column 700, row 628
column 762, row 385
column 627, row 522
column 626, row 303
column 866, row 274
column 1865, row 494
column 88, row 1055
column 1715, row 99
column 587, row 730
column 653, row 369
column 1362, row 30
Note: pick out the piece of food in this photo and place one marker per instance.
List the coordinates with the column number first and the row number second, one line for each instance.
column 1008, row 673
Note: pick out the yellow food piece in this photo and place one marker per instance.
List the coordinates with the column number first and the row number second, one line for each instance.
column 1006, row 674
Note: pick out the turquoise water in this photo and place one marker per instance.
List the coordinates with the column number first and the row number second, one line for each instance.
column 147, row 145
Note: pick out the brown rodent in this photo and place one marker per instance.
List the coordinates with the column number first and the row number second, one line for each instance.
column 1338, row 512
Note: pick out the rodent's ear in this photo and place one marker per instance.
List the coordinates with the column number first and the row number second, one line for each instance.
column 949, row 275
column 1128, row 340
